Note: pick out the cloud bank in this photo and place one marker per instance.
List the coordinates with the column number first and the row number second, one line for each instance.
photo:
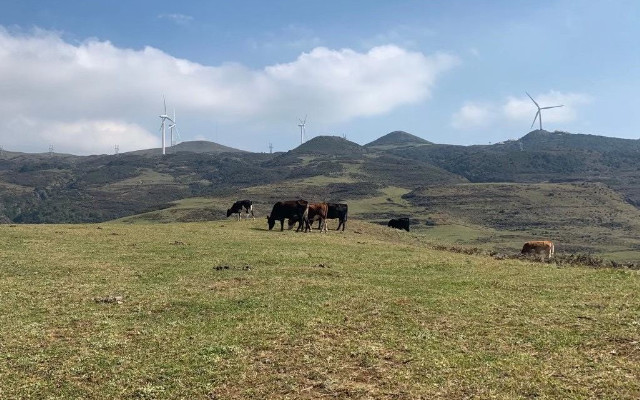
column 85, row 98
column 520, row 110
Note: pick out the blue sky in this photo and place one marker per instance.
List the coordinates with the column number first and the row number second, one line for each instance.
column 86, row 75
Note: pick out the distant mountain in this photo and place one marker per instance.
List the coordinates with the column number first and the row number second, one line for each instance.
column 36, row 188
column 395, row 139
column 324, row 147
column 328, row 145
column 196, row 146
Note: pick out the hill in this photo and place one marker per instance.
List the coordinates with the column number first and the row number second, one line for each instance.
column 396, row 139
column 541, row 156
column 196, row 146
column 554, row 141
column 386, row 178
column 327, row 146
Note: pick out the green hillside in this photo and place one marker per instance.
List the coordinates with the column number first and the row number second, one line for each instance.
column 196, row 146
column 579, row 218
column 396, row 139
column 389, row 177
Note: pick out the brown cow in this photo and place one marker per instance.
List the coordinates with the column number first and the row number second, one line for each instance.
column 539, row 247
column 317, row 211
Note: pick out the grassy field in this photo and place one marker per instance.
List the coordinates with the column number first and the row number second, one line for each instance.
column 226, row 309
column 579, row 218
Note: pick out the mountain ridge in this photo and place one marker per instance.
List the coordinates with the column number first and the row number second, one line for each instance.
column 61, row 188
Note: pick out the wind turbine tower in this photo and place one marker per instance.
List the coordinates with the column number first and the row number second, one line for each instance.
column 171, row 128
column 302, row 130
column 164, row 117
column 539, row 113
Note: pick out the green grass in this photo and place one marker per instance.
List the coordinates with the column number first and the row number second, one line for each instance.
column 390, row 201
column 369, row 313
column 579, row 218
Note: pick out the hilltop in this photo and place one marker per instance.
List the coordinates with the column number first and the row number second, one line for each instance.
column 196, row 146
column 397, row 139
column 554, row 141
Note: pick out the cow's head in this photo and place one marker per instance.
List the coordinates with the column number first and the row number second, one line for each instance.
column 291, row 223
column 229, row 212
column 271, row 222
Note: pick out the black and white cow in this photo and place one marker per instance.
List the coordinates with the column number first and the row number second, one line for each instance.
column 293, row 210
column 237, row 207
column 399, row 223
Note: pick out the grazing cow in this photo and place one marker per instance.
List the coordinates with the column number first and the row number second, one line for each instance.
column 337, row 210
column 399, row 223
column 238, row 206
column 539, row 247
column 317, row 211
column 294, row 210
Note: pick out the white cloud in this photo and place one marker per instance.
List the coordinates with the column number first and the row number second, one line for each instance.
column 473, row 115
column 520, row 110
column 81, row 137
column 346, row 84
column 94, row 92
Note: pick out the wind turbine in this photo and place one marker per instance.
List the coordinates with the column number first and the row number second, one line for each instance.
column 539, row 113
column 172, row 127
column 164, row 117
column 301, row 125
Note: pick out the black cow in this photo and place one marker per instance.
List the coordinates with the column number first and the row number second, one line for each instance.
column 237, row 207
column 294, row 210
column 399, row 223
column 338, row 210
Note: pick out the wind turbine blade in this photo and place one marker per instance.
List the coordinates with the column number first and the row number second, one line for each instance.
column 534, row 118
column 545, row 108
column 164, row 101
column 534, row 102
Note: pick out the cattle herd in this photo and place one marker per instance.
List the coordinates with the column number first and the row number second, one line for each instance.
column 305, row 214
column 297, row 211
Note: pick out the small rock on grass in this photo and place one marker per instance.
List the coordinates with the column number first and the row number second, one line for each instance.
column 109, row 299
